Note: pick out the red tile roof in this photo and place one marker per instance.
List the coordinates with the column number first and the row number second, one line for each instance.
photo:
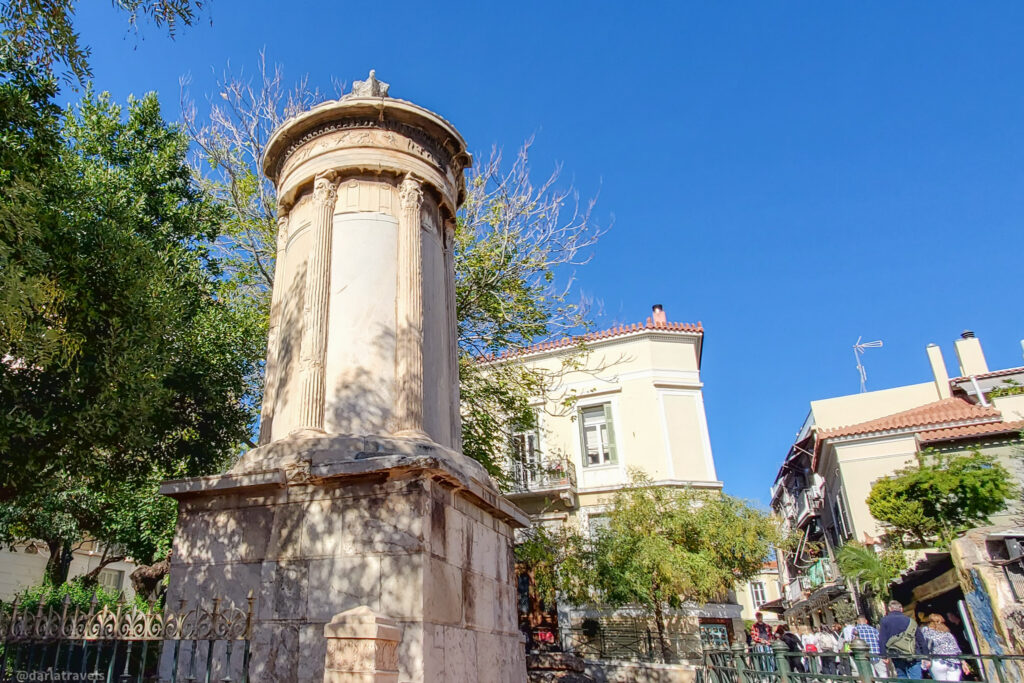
column 939, row 413
column 619, row 331
column 986, row 375
column 970, row 431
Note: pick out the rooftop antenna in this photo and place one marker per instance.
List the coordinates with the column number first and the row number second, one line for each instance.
column 858, row 351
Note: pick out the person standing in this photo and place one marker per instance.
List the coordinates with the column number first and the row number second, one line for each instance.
column 760, row 632
column 942, row 642
column 828, row 646
column 794, row 646
column 902, row 640
column 844, row 634
column 869, row 634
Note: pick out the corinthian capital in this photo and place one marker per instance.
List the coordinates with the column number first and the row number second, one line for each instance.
column 282, row 224
column 325, row 189
column 410, row 193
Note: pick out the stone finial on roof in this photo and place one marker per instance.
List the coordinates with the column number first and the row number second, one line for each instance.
column 371, row 87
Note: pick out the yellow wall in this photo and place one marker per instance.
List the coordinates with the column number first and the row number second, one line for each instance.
column 770, row 579
column 862, row 463
column 843, row 411
column 652, row 382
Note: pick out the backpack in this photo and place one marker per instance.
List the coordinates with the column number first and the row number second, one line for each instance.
column 903, row 643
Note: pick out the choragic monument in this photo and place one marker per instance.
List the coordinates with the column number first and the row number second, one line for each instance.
column 357, row 514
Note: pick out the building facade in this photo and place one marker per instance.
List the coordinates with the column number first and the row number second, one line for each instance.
column 763, row 589
column 848, row 443
column 632, row 400
column 24, row 565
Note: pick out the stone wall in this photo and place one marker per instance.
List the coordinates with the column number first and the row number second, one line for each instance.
column 639, row 672
column 411, row 538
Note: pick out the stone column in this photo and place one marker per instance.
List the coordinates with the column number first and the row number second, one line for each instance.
column 273, row 365
column 314, row 310
column 362, row 647
column 409, row 309
column 453, row 340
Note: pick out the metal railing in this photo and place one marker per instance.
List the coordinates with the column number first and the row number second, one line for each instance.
column 626, row 643
column 748, row 665
column 125, row 643
column 549, row 474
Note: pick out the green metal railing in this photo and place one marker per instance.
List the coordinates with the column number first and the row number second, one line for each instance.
column 742, row 665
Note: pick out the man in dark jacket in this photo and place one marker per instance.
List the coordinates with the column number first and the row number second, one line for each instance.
column 893, row 624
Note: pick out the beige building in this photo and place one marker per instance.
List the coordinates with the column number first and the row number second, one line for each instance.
column 23, row 566
column 636, row 404
column 763, row 589
column 850, row 442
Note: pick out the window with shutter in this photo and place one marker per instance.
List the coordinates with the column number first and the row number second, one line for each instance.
column 597, row 435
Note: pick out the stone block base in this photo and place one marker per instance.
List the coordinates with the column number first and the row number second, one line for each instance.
column 317, row 526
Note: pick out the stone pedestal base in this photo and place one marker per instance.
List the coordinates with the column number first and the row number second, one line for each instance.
column 317, row 526
column 556, row 667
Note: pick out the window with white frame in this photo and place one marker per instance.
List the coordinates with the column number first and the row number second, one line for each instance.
column 757, row 593
column 526, row 447
column 111, row 579
column 597, row 436
column 842, row 517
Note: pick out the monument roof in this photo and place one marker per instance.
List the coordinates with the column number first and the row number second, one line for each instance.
column 370, row 102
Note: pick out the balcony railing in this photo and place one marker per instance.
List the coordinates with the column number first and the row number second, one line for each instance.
column 548, row 474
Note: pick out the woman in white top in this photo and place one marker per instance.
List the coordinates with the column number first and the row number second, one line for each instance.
column 809, row 640
column 941, row 642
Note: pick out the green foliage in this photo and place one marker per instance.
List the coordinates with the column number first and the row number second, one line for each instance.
column 122, row 362
column 869, row 569
column 1010, row 387
column 941, row 496
column 663, row 547
column 667, row 546
column 78, row 596
column 43, row 30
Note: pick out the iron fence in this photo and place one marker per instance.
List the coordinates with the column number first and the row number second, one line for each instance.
column 748, row 665
column 630, row 643
column 125, row 643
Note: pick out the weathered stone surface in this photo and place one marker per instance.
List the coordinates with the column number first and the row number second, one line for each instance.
column 554, row 661
column 340, row 583
column 357, row 495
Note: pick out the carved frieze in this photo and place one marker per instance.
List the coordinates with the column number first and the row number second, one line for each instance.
column 361, row 655
column 363, row 133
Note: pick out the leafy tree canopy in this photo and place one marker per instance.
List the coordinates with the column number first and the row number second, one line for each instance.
column 43, row 31
column 121, row 363
column 870, row 569
column 662, row 547
column 940, row 496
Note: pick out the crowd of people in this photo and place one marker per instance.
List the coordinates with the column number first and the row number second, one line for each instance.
column 912, row 650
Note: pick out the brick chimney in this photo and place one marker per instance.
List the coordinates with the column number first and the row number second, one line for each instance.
column 658, row 313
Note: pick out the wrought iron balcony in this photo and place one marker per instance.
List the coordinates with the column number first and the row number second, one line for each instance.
column 548, row 475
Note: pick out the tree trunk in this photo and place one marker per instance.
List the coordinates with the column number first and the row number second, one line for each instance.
column 659, row 621
column 147, row 580
column 59, row 564
column 91, row 580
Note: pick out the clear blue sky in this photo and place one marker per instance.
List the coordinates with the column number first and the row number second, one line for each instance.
column 793, row 174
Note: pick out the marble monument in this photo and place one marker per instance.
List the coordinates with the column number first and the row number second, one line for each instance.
column 357, row 513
